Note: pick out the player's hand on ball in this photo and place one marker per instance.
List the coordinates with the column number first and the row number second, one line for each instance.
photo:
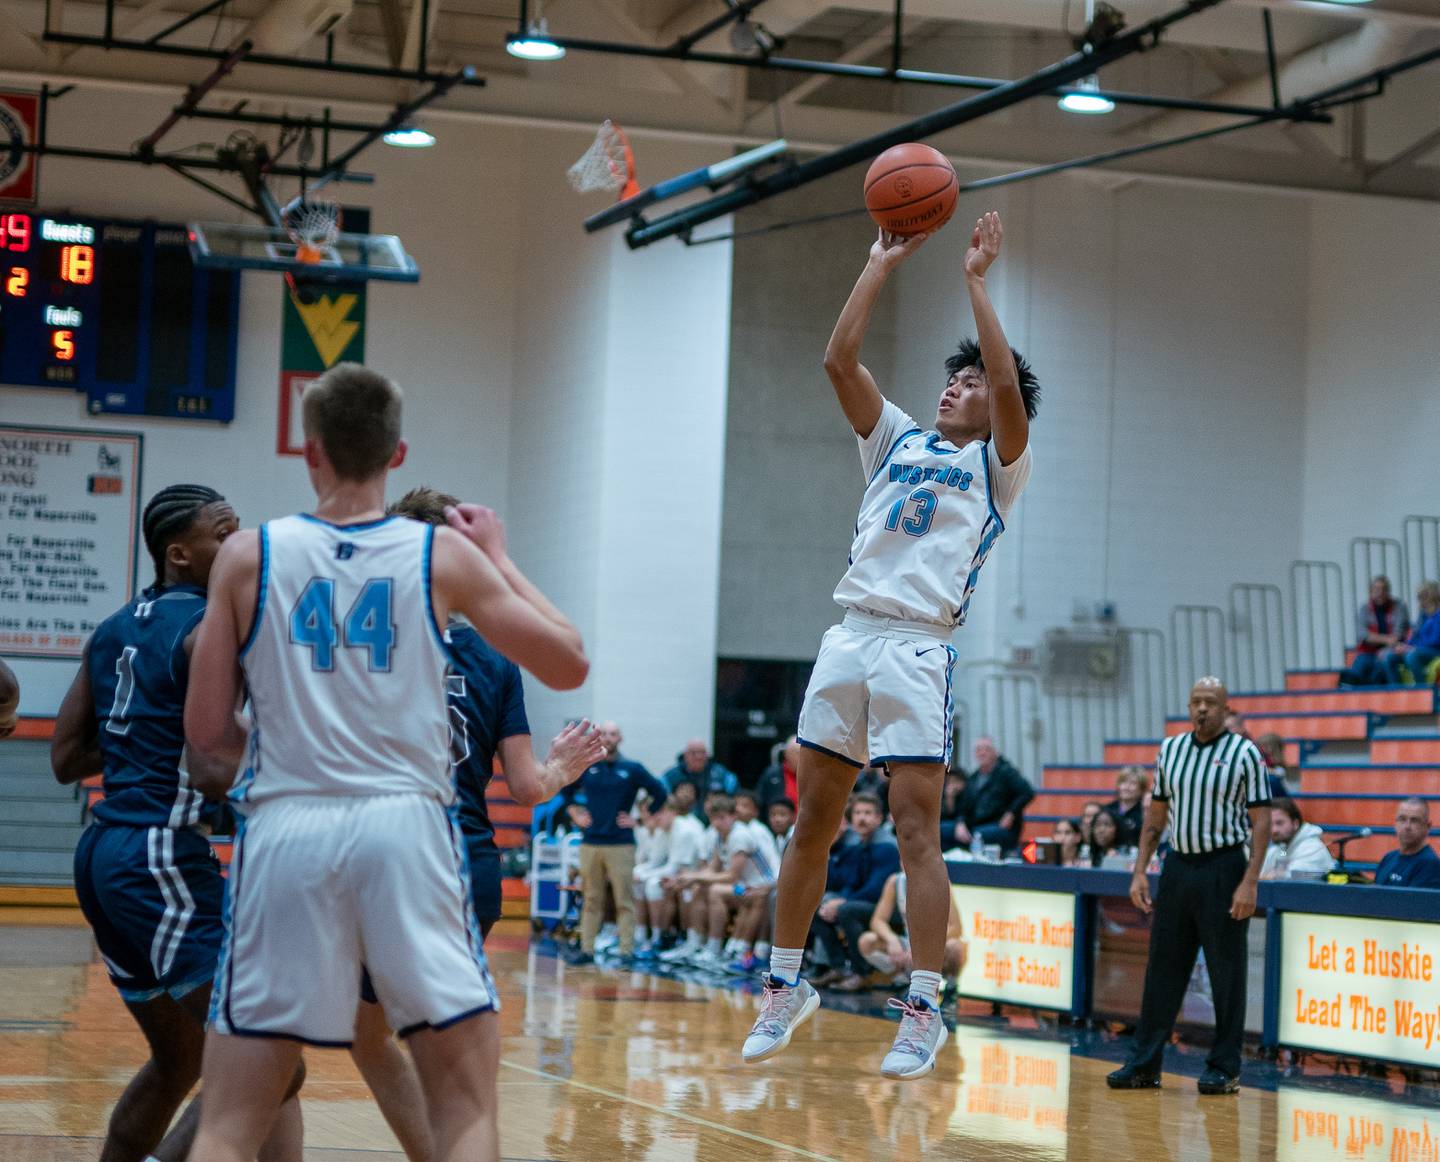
column 481, row 525
column 985, row 242
column 889, row 250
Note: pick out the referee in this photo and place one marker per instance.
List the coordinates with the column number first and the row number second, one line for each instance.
column 1212, row 779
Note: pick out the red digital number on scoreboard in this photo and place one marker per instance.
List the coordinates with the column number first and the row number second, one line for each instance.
column 15, row 232
column 63, row 343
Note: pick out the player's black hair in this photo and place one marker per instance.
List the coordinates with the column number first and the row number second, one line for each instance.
column 168, row 517
column 968, row 355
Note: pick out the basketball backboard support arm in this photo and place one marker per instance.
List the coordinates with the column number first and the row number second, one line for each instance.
column 1062, row 72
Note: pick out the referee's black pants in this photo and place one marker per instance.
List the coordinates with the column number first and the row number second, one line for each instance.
column 1192, row 911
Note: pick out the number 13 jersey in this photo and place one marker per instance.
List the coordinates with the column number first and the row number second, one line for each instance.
column 345, row 665
column 930, row 516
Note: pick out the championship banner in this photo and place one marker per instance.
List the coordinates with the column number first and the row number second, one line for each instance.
column 70, row 503
column 19, row 126
column 1020, row 946
column 1361, row 986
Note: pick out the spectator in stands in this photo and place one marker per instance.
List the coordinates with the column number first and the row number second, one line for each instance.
column 736, row 883
column 747, row 806
column 1235, row 723
column 1414, row 864
column 696, row 765
column 1104, row 836
column 1087, row 819
column 1297, row 849
column 1423, row 644
column 1068, row 836
column 656, row 884
column 781, row 817
column 685, row 802
column 1129, row 807
column 1272, row 750
column 952, row 815
column 874, row 781
column 9, row 700
column 856, row 879
column 995, row 796
column 1381, row 622
column 889, row 950
column 780, row 780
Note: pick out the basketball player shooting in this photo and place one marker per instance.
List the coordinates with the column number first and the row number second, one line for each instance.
column 934, row 504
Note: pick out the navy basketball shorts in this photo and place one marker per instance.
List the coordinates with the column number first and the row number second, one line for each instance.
column 154, row 897
column 484, row 879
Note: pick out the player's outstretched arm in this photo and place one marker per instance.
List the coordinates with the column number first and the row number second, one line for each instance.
column 212, row 728
column 1010, row 427
column 574, row 751
column 9, row 700
column 75, row 749
column 464, row 580
column 860, row 398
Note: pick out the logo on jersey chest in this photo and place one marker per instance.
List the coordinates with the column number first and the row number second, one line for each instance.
column 344, row 550
column 957, row 478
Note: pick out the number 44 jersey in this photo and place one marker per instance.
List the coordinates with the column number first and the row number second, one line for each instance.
column 345, row 664
column 930, row 516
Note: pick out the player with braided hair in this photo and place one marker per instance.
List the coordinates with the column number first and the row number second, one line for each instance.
column 147, row 879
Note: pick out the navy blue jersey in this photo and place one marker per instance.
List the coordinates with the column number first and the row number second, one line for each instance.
column 487, row 705
column 138, row 672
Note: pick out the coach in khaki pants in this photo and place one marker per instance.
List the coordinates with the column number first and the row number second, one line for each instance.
column 607, row 850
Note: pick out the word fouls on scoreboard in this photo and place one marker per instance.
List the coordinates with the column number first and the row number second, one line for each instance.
column 46, row 260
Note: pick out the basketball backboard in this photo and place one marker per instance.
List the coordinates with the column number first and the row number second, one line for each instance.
column 349, row 258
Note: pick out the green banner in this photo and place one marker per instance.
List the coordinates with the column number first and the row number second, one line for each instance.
column 318, row 335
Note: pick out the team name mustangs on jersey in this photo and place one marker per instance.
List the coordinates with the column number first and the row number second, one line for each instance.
column 138, row 669
column 336, row 683
column 930, row 516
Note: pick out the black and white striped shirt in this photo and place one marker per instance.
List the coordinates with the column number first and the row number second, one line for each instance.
column 1209, row 786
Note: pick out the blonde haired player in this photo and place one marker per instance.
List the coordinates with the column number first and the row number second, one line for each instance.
column 934, row 504
column 348, row 854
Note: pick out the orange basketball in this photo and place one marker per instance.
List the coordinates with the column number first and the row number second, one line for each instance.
column 911, row 189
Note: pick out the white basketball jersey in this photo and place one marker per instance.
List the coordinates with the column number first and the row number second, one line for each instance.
column 345, row 664
column 930, row 516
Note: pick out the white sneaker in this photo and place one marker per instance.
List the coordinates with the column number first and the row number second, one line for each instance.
column 783, row 1009
column 679, row 954
column 918, row 1040
column 710, row 961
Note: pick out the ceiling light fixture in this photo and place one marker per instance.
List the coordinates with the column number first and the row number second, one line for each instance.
column 1087, row 98
column 409, row 137
column 535, row 44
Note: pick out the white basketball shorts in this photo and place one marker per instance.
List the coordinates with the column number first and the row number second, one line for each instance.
column 881, row 691
column 320, row 887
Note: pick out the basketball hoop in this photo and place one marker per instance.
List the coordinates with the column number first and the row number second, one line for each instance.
column 313, row 227
column 607, row 165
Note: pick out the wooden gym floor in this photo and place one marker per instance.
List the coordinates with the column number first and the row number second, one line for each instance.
column 602, row 1066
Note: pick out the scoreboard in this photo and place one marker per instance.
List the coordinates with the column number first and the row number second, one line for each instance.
column 117, row 310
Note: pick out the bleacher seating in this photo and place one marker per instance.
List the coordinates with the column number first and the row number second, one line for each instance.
column 1356, row 753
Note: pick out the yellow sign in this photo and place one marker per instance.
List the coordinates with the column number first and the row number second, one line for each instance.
column 328, row 323
column 1362, row 986
column 1021, row 945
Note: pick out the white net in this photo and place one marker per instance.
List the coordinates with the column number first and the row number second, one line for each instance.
column 604, row 166
column 314, row 226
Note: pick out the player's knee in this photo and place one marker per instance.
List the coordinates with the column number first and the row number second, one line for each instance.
column 869, row 942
